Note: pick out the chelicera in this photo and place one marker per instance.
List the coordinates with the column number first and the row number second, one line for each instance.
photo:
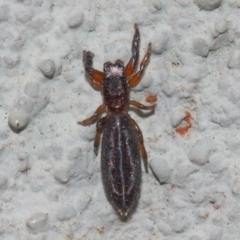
column 122, row 140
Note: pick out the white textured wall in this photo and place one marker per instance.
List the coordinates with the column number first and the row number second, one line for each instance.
column 50, row 182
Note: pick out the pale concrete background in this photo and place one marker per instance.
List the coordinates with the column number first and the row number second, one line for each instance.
column 50, row 179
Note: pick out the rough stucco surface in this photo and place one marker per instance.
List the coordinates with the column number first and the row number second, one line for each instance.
column 50, row 180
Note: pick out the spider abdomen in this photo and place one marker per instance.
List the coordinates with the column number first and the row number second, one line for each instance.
column 121, row 163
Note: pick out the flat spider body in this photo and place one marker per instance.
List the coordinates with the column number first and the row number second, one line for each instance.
column 122, row 140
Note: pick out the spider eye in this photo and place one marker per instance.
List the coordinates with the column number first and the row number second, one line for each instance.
column 107, row 65
column 120, row 62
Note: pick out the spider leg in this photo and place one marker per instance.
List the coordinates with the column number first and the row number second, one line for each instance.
column 95, row 76
column 100, row 124
column 94, row 117
column 137, row 77
column 141, row 143
column 135, row 53
column 141, row 106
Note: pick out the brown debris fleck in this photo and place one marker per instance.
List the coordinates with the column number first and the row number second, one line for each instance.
column 182, row 130
column 100, row 230
column 151, row 98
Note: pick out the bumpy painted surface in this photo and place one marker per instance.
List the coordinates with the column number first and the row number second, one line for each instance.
column 50, row 182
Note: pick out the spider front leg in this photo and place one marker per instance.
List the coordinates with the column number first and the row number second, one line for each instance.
column 135, row 53
column 137, row 77
column 141, row 143
column 94, row 117
column 95, row 76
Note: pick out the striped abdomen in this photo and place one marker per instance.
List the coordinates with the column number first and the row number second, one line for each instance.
column 121, row 163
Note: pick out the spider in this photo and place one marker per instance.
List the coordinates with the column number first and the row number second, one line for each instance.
column 122, row 140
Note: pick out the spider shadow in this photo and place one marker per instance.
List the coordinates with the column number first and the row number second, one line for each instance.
column 142, row 113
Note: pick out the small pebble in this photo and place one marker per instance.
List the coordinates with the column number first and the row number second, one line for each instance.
column 75, row 153
column 161, row 170
column 217, row 164
column 165, row 229
column 31, row 89
column 48, row 68
column 200, row 47
column 22, row 156
column 18, row 120
column 203, row 212
column 148, row 80
column 179, row 224
column 75, row 18
column 234, row 60
column 159, row 43
column 37, row 221
column 177, row 117
column 197, row 197
column 208, row 5
column 200, row 152
column 221, row 26
column 24, row 105
column 157, row 4
column 66, row 213
column 83, row 202
column 62, row 174
column 11, row 60
column 170, row 88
